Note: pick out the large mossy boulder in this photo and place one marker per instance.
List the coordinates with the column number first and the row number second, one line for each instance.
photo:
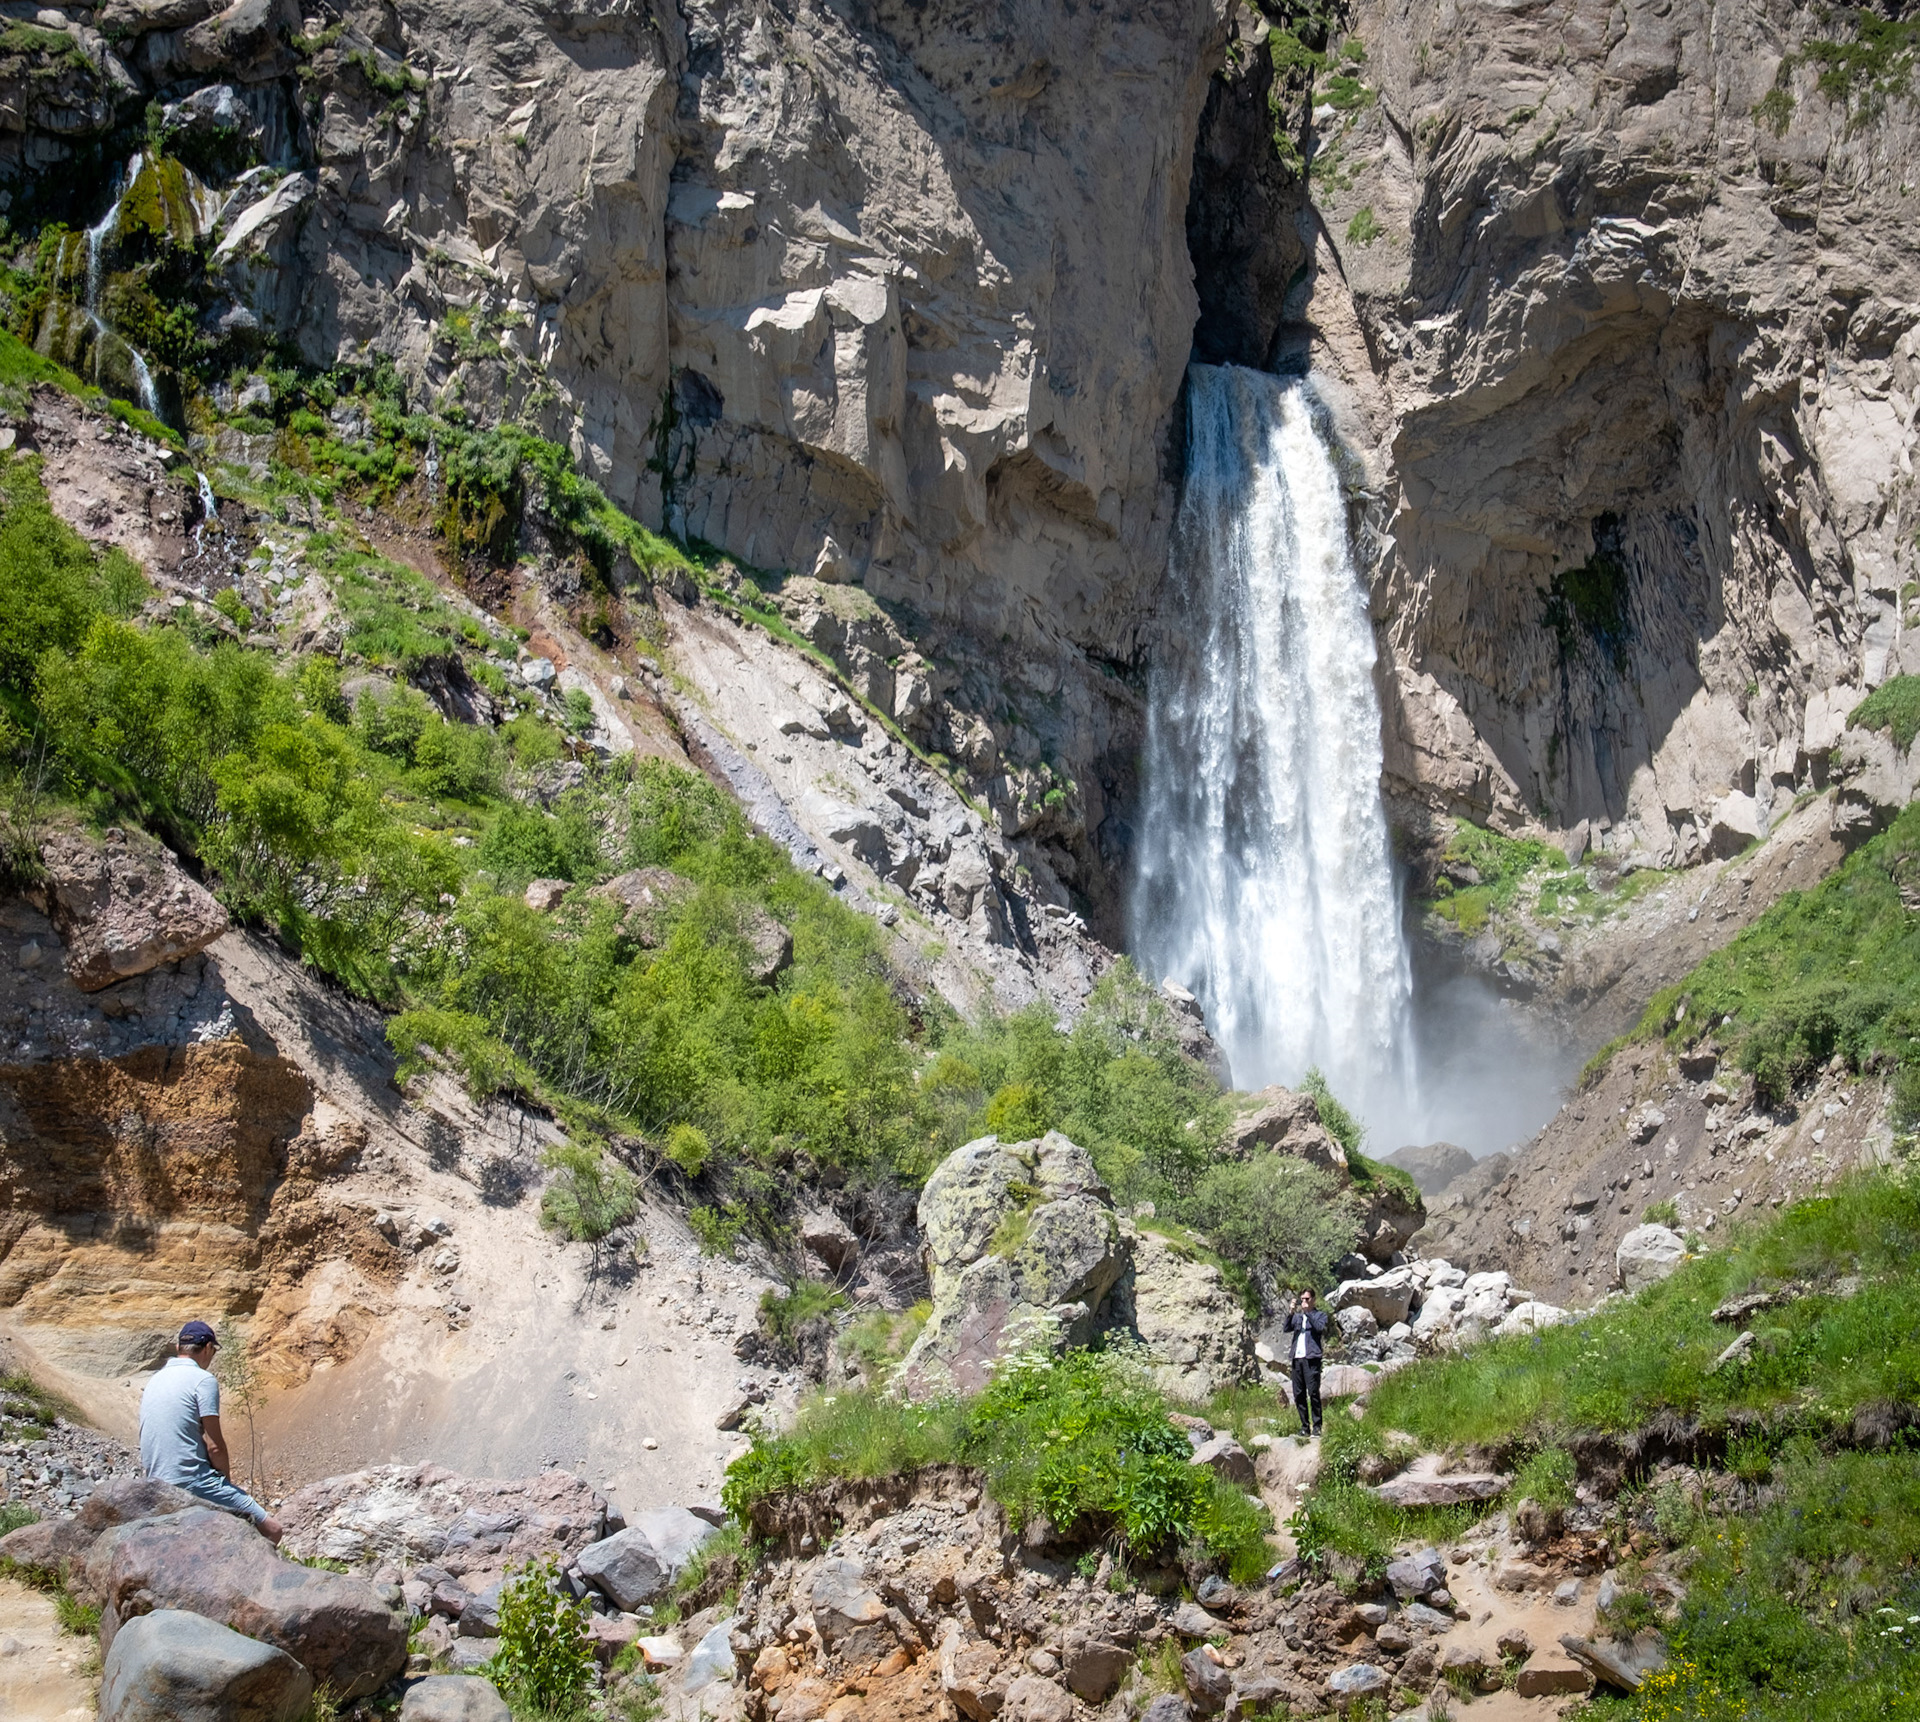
column 1023, row 1248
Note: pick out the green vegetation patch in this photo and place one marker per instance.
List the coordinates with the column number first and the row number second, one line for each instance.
column 1816, row 1358
column 1081, row 1440
column 1835, row 969
column 1503, row 865
column 1894, row 706
column 1871, row 68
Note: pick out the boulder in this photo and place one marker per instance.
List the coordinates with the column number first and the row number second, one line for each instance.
column 1226, row 1458
column 1208, row 1684
column 712, row 1658
column 1520, row 1576
column 1390, row 1214
column 830, row 1238
column 175, row 1666
column 453, row 1698
column 609, row 1634
column 1553, row 1680
column 211, row 1563
column 842, row 1601
column 967, row 1672
column 1357, row 1680
column 1423, row 1484
column 46, row 1545
column 121, row 1500
column 1412, row 1576
column 1432, row 1166
column 1093, row 1668
column 1647, row 1255
column 470, row 1526
column 1737, row 820
column 1620, row 1663
column 1472, row 1665
column 1531, row 1317
column 1289, row 1121
column 1168, row 1707
column 639, row 1564
column 1022, row 1244
column 1387, row 1299
column 1515, row 1643
column 1033, row 1698
column 1189, row 1321
column 1190, row 1620
column 1356, row 1322
column 123, row 906
column 545, row 895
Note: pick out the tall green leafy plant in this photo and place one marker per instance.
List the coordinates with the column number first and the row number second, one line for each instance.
column 545, row 1659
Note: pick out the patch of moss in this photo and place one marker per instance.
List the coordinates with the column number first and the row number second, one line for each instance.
column 1893, row 706
column 1591, row 601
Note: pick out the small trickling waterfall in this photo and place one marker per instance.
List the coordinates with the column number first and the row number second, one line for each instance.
column 96, row 243
column 1265, row 882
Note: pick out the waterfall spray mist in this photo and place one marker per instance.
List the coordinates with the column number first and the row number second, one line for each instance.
column 1265, row 880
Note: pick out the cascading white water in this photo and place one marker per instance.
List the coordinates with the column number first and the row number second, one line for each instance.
column 1265, row 882
column 209, row 512
column 96, row 242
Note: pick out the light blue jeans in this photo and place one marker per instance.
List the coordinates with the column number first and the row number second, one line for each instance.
column 217, row 1491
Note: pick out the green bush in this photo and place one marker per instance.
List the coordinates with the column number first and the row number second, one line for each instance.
column 14, row 1514
column 1833, row 970
column 589, row 1195
column 1894, row 706
column 1548, row 1477
column 1280, row 1220
column 689, row 1149
column 523, row 843
column 545, row 1658
column 783, row 1313
column 1082, row 1440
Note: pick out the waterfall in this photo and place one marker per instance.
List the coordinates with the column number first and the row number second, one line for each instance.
column 96, row 242
column 209, row 512
column 1265, row 881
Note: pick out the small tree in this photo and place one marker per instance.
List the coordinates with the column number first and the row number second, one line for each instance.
column 240, row 1387
column 1281, row 1219
column 590, row 1195
column 545, row 1660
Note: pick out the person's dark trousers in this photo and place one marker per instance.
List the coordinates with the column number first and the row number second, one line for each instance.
column 1306, row 1393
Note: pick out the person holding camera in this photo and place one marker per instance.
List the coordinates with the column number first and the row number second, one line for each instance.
column 1306, row 1325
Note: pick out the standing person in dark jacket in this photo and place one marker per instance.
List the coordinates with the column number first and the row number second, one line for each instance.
column 1305, row 1327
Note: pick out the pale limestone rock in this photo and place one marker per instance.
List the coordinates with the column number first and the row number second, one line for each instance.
column 1647, row 1255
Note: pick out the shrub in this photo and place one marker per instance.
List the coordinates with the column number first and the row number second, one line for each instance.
column 1279, row 1219
column 1340, row 1124
column 1665, row 1212
column 783, row 1313
column 393, row 723
column 1548, row 1477
column 1019, row 1111
column 545, row 1659
column 1082, row 1439
column 688, row 1148
column 589, row 1195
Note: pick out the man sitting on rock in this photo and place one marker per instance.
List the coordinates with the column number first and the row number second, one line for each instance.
column 180, row 1439
column 1307, row 1324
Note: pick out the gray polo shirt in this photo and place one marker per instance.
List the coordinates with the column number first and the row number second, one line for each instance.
column 171, row 1445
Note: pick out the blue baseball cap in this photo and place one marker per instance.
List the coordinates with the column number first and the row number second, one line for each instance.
column 197, row 1334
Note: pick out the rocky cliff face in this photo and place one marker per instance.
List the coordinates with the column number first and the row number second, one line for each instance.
column 1636, row 390
column 1614, row 308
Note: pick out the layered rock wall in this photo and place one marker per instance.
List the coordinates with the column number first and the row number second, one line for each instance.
column 1614, row 308
column 1639, row 307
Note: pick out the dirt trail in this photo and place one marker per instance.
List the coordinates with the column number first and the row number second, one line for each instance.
column 46, row 1675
